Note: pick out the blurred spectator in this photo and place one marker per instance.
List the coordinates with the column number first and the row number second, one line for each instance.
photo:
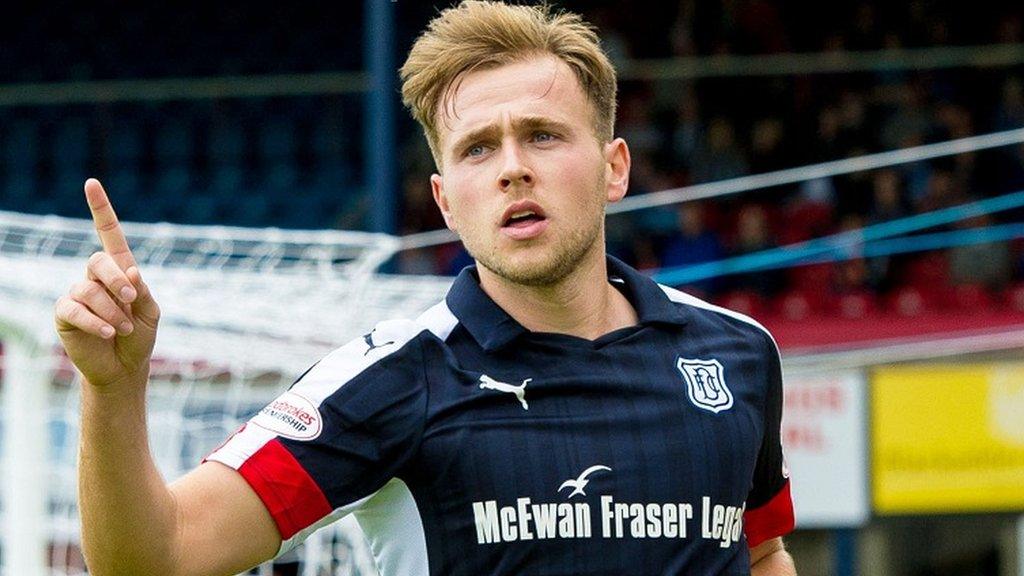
column 686, row 138
column 613, row 40
column 910, row 120
column 636, row 124
column 692, row 244
column 851, row 273
column 888, row 203
column 1010, row 112
column 644, row 254
column 767, row 143
column 887, row 199
column 682, row 34
column 989, row 264
column 719, row 158
column 760, row 28
column 753, row 234
column 943, row 191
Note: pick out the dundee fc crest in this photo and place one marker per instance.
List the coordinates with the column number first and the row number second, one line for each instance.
column 705, row 384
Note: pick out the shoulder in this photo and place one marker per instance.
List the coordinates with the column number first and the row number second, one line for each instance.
column 439, row 320
column 391, row 346
column 718, row 315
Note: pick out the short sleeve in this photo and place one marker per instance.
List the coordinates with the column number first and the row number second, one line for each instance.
column 769, row 511
column 339, row 434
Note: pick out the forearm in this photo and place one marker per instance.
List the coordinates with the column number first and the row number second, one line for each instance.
column 128, row 514
column 777, row 563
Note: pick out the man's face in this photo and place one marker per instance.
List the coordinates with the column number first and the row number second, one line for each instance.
column 525, row 178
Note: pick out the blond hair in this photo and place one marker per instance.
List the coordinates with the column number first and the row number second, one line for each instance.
column 484, row 34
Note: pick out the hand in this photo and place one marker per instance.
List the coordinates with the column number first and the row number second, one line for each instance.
column 108, row 321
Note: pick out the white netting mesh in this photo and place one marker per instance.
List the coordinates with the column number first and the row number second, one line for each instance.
column 244, row 313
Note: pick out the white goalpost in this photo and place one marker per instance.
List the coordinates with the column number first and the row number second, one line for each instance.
column 245, row 312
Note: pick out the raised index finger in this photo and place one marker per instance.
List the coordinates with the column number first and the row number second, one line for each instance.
column 107, row 226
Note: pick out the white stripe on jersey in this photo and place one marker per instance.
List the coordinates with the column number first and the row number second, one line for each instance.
column 345, row 363
column 439, row 320
column 331, row 373
column 391, row 523
column 684, row 298
column 241, row 446
column 393, row 527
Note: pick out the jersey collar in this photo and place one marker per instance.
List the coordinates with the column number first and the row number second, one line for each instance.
column 493, row 328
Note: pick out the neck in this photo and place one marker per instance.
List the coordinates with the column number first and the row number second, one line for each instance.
column 582, row 304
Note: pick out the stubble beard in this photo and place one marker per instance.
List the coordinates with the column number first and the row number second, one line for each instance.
column 563, row 259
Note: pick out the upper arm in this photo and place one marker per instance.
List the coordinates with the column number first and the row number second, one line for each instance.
column 314, row 454
column 769, row 504
column 223, row 526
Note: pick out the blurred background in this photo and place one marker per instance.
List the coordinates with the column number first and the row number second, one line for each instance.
column 894, row 284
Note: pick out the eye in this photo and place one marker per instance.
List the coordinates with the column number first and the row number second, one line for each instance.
column 543, row 137
column 476, row 150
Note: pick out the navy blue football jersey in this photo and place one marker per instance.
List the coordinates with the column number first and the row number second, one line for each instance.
column 465, row 444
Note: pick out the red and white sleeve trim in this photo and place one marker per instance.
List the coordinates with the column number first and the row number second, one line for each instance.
column 770, row 520
column 290, row 494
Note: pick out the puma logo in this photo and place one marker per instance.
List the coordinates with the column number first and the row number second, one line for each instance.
column 488, row 383
column 368, row 338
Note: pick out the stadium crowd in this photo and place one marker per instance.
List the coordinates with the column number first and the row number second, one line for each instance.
column 239, row 161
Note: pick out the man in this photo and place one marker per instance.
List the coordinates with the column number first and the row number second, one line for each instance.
column 558, row 413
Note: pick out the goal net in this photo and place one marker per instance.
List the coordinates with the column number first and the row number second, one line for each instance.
column 244, row 313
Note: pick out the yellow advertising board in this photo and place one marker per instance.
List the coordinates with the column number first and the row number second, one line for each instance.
column 948, row 438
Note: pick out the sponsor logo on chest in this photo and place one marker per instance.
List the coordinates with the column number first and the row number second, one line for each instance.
column 609, row 519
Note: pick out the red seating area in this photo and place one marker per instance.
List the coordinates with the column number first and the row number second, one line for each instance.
column 834, row 304
column 803, row 318
column 859, row 300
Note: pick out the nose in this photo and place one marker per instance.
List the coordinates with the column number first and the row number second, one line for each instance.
column 514, row 171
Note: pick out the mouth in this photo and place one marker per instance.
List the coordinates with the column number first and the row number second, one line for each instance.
column 523, row 220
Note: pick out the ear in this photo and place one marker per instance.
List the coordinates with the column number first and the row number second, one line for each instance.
column 437, row 189
column 617, row 163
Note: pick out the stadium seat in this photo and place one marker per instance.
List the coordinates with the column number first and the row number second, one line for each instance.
column 20, row 152
column 744, row 302
column 204, row 209
column 66, row 186
column 800, row 304
column 1015, row 297
column 226, row 180
column 329, row 140
column 173, row 142
column 124, row 143
column 280, row 178
column 252, row 210
column 277, row 141
column 912, row 301
column 18, row 190
column 332, row 178
column 928, row 271
column 70, row 144
column 812, row 277
column 856, row 305
column 142, row 208
column 173, row 180
column 805, row 220
column 973, row 297
column 225, row 144
column 123, row 181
